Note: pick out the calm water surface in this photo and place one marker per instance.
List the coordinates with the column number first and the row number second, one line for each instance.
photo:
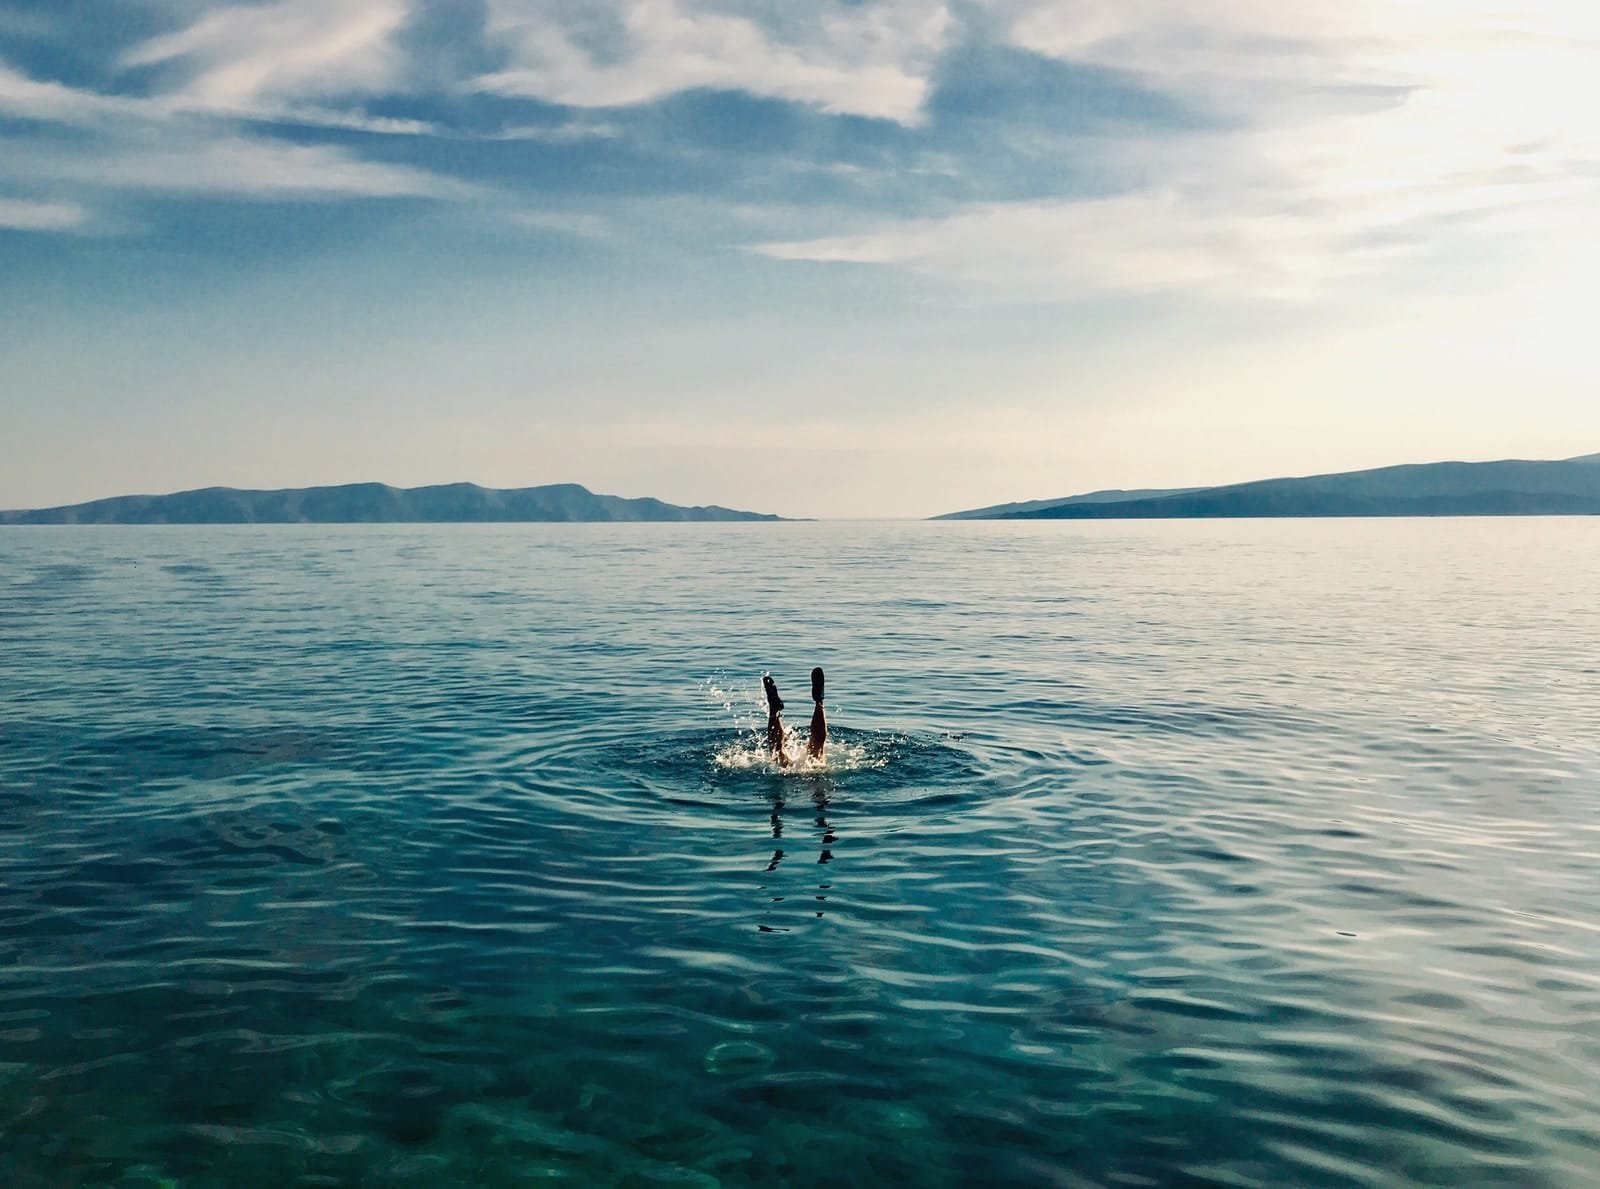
column 1154, row 854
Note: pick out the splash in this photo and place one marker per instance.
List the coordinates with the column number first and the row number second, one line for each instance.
column 744, row 703
column 748, row 753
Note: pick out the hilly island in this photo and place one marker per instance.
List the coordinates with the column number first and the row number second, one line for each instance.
column 1569, row 487
column 371, row 503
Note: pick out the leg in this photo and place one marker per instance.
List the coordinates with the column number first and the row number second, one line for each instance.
column 775, row 739
column 775, row 722
column 819, row 720
column 819, row 733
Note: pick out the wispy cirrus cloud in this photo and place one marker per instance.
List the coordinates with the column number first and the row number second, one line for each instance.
column 234, row 68
column 18, row 214
column 44, row 101
column 243, row 56
column 186, row 161
column 1350, row 136
column 245, row 84
column 1329, row 139
column 1148, row 242
column 1227, row 244
column 871, row 60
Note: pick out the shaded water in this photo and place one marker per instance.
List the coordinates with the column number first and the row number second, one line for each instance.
column 1154, row 854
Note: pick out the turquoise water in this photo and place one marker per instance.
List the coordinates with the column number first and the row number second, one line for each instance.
column 1157, row 854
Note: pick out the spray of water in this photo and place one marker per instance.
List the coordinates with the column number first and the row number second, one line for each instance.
column 740, row 703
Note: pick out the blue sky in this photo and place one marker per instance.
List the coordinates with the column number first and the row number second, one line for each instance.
column 881, row 257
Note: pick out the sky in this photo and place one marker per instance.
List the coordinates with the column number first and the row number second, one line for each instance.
column 838, row 259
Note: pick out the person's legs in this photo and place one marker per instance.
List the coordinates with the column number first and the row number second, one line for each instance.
column 775, row 722
column 775, row 740
column 819, row 720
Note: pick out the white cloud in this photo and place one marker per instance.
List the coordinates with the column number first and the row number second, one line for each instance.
column 244, row 56
column 22, row 215
column 1487, row 77
column 25, row 98
column 1146, row 242
column 349, row 121
column 577, row 225
column 1214, row 47
column 183, row 163
column 164, row 144
column 868, row 60
column 1197, row 44
column 571, row 132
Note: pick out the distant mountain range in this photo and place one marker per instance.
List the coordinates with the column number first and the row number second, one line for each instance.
column 1510, row 488
column 355, row 503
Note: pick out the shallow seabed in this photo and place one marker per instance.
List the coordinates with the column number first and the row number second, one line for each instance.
column 1150, row 854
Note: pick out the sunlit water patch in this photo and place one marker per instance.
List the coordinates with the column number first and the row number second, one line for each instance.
column 1251, row 854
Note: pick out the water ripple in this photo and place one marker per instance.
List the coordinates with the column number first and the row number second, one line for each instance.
column 451, row 856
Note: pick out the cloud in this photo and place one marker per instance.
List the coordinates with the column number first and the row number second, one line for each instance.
column 1148, row 242
column 1210, row 48
column 221, row 164
column 571, row 132
column 577, row 225
column 1335, row 138
column 22, row 215
column 1267, row 215
column 1351, row 135
column 242, row 57
column 1512, row 72
column 106, row 143
column 856, row 59
column 25, row 98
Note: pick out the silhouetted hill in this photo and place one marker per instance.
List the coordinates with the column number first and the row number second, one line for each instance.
column 1112, row 496
column 1508, row 488
column 354, row 503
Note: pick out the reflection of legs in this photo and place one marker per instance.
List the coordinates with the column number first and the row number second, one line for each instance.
column 777, row 832
column 777, row 857
column 828, row 839
column 819, row 720
column 828, row 836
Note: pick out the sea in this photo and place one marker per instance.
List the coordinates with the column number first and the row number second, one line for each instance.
column 1205, row 853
